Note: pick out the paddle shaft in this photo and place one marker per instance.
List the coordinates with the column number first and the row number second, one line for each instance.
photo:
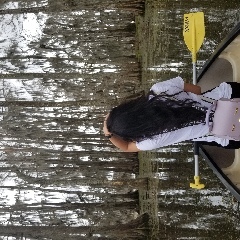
column 196, row 154
column 194, row 74
column 194, row 59
column 194, row 53
column 196, row 150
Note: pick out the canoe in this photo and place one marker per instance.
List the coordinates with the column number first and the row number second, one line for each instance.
column 223, row 66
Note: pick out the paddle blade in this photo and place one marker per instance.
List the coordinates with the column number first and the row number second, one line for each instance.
column 194, row 32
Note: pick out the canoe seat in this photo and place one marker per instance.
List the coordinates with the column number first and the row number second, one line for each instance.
column 233, row 171
column 231, row 54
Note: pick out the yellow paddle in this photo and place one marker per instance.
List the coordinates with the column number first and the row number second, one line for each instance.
column 193, row 33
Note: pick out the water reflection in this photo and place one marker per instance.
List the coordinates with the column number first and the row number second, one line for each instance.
column 190, row 212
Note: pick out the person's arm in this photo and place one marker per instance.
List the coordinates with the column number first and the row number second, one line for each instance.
column 123, row 145
column 174, row 86
column 118, row 142
column 188, row 87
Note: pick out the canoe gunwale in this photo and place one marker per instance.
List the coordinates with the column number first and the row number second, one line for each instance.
column 235, row 191
column 225, row 42
column 220, row 174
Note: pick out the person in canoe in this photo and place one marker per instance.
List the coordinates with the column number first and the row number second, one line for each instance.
column 171, row 112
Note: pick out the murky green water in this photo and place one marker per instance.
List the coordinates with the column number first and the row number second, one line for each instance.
column 184, row 213
column 162, row 48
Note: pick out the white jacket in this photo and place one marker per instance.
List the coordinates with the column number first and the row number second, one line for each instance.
column 199, row 132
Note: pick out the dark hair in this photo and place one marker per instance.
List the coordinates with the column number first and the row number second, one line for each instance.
column 143, row 118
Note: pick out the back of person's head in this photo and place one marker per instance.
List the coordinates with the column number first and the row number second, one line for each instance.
column 128, row 119
column 142, row 118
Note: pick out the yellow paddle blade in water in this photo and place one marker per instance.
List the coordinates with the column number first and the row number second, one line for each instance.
column 194, row 32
